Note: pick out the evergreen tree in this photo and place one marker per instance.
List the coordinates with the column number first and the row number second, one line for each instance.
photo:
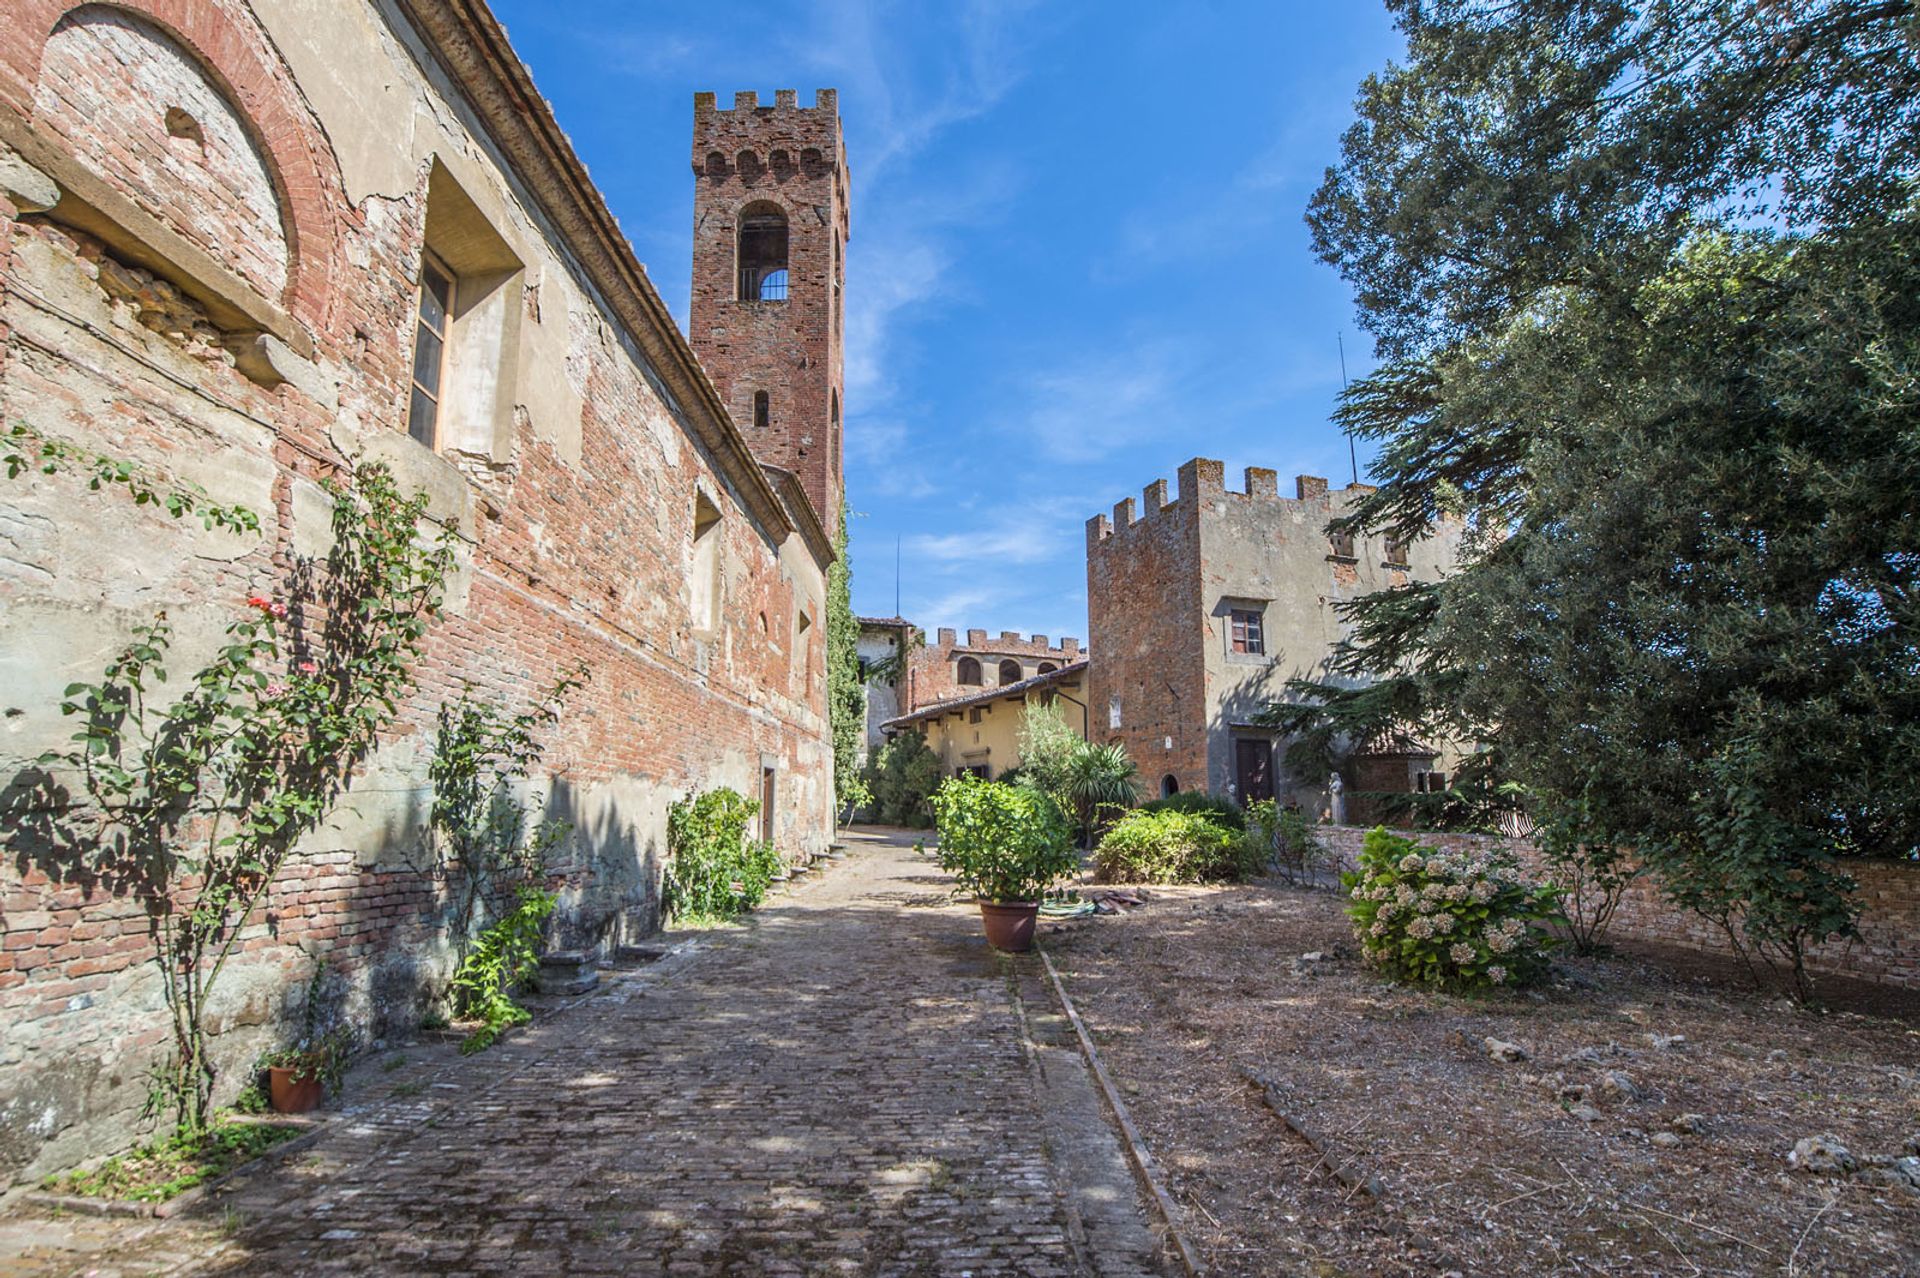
column 1644, row 275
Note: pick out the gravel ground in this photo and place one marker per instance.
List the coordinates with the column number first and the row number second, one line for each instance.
column 1578, row 1159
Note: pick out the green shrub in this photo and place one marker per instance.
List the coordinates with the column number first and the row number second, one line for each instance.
column 1217, row 808
column 1464, row 920
column 498, row 966
column 1297, row 850
column 713, row 869
column 903, row 777
column 1173, row 847
column 1002, row 842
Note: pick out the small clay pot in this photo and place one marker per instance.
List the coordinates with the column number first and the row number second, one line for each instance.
column 290, row 1096
column 1009, row 924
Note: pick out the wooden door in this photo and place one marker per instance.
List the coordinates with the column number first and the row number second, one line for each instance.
column 1253, row 769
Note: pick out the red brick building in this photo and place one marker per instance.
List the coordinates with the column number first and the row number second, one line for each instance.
column 1203, row 604
column 244, row 243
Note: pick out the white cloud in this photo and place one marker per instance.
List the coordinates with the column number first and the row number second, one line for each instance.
column 1084, row 410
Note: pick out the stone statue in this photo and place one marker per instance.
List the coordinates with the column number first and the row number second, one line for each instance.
column 1337, row 795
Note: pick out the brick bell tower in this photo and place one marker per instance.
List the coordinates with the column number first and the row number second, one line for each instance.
column 770, row 226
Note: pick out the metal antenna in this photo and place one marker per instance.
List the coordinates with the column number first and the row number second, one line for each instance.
column 896, row 574
column 1353, row 458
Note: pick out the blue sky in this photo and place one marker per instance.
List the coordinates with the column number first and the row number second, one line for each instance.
column 1077, row 255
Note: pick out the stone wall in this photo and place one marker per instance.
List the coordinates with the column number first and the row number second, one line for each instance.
column 258, row 352
column 1887, row 950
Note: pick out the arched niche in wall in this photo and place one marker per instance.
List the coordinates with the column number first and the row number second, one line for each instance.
column 139, row 111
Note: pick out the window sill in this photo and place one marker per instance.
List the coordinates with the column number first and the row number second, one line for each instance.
column 1343, row 559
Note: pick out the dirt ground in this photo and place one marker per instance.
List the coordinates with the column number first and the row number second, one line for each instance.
column 1490, row 1167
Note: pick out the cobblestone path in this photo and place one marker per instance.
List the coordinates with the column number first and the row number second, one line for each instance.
column 840, row 1088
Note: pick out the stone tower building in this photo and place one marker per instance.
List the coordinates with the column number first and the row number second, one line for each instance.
column 1202, row 605
column 770, row 225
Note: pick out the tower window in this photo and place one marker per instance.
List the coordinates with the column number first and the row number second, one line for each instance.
column 429, row 349
column 762, row 414
column 1396, row 552
column 1340, row 545
column 968, row 672
column 1045, row 667
column 1009, row 672
column 763, row 253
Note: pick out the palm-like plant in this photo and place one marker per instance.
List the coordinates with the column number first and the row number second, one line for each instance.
column 1100, row 778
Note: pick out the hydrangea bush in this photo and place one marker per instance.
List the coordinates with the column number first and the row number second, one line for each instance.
column 1466, row 920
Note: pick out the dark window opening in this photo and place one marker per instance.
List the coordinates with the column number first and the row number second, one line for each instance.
column 429, row 350
column 762, row 411
column 1340, row 545
column 973, row 715
column 968, row 673
column 1009, row 672
column 767, row 793
column 1045, row 667
column 763, row 254
column 1247, row 636
column 1396, row 553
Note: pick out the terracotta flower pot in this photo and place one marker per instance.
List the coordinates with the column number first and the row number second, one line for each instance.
column 1009, row 924
column 290, row 1096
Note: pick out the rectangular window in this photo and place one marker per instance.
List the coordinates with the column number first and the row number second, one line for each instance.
column 1396, row 553
column 762, row 412
column 1340, row 545
column 1247, row 637
column 429, row 349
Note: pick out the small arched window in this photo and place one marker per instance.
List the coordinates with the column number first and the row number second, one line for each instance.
column 763, row 253
column 1045, row 667
column 1009, row 672
column 968, row 673
column 1169, row 786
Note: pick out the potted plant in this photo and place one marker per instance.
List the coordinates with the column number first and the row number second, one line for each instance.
column 1006, row 845
column 299, row 1077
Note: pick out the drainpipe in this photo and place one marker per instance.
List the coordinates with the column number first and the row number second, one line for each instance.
column 1084, row 725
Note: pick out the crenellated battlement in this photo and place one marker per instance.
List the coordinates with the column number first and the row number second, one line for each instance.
column 751, row 141
column 1204, row 479
column 1010, row 643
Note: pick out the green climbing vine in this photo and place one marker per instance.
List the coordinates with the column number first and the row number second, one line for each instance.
column 846, row 699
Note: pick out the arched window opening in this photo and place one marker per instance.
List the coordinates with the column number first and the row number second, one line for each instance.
column 762, row 412
column 763, row 253
column 1169, row 786
column 968, row 673
column 1045, row 667
column 1009, row 672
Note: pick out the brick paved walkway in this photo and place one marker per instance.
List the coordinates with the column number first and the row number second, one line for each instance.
column 840, row 1088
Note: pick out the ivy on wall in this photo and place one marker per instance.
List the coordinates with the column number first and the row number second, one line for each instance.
column 846, row 701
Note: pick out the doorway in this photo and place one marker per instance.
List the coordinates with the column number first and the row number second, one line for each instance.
column 1253, row 769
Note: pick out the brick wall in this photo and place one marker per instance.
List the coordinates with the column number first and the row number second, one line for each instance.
column 1143, row 623
column 1887, row 950
column 575, row 528
column 931, row 672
